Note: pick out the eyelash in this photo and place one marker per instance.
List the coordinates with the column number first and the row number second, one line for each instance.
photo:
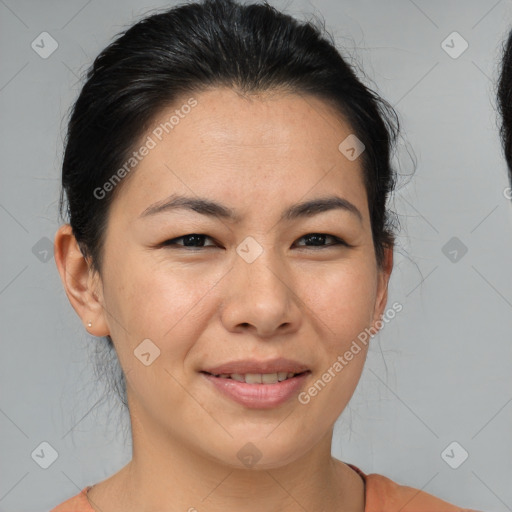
column 172, row 242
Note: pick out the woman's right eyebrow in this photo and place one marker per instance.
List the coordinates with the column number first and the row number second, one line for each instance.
column 210, row 208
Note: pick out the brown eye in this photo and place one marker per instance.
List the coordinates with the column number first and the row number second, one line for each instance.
column 190, row 241
column 318, row 240
column 195, row 241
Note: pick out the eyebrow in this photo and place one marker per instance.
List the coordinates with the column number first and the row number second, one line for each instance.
column 210, row 208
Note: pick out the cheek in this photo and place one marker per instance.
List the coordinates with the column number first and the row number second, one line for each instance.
column 158, row 301
column 344, row 307
column 342, row 300
column 164, row 305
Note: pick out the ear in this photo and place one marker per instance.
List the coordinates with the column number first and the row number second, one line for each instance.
column 384, row 274
column 82, row 285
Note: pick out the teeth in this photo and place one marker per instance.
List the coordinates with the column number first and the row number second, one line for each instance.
column 268, row 378
column 258, row 378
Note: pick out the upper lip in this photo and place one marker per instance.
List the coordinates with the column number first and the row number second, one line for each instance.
column 253, row 366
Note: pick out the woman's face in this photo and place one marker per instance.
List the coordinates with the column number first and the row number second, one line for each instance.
column 255, row 287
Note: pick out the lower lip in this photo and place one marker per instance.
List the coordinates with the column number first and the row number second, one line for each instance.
column 258, row 396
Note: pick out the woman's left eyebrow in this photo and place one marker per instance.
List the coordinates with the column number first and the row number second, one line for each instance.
column 211, row 208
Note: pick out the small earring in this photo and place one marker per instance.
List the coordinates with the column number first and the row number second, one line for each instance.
column 89, row 324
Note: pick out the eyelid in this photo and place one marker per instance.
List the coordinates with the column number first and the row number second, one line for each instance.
column 338, row 241
column 167, row 243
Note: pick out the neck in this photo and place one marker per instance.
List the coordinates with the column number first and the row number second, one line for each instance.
column 166, row 475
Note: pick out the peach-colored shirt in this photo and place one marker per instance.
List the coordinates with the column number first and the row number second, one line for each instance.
column 381, row 495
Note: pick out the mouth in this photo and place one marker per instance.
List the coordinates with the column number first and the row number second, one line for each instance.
column 259, row 378
column 258, row 390
column 258, row 383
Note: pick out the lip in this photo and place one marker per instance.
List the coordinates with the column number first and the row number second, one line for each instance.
column 280, row 364
column 258, row 396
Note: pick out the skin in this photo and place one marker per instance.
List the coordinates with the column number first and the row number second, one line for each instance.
column 257, row 155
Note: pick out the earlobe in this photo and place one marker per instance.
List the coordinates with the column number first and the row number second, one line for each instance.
column 81, row 284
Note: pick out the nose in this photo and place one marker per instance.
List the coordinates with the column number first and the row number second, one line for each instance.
column 262, row 297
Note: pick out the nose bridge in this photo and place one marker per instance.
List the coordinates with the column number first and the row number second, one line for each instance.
column 261, row 267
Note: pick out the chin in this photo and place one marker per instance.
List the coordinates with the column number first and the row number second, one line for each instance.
column 263, row 452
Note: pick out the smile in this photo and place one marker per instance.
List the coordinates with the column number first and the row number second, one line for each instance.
column 256, row 390
column 258, row 378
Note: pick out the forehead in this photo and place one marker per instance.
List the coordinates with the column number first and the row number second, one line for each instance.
column 270, row 147
column 270, row 123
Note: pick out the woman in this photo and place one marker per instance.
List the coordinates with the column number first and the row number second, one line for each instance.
column 226, row 177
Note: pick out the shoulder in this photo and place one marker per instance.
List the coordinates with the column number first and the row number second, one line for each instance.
column 381, row 491
column 78, row 503
column 384, row 495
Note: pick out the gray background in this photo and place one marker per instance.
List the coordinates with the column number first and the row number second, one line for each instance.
column 439, row 372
